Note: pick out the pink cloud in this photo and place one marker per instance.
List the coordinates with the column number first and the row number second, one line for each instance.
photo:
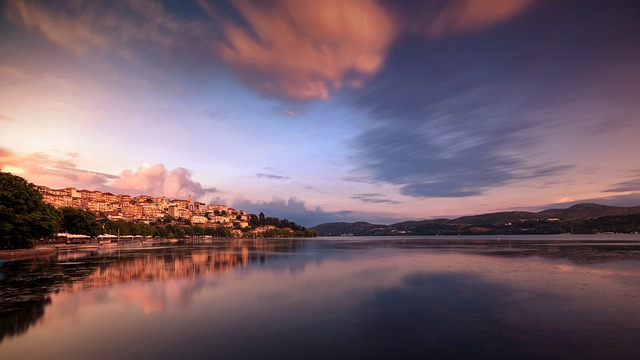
column 306, row 49
column 62, row 171
column 49, row 170
column 295, row 49
column 11, row 72
column 156, row 180
column 458, row 17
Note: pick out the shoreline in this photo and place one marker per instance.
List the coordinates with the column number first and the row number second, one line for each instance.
column 24, row 254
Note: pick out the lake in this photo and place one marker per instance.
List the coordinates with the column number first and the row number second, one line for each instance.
column 528, row 297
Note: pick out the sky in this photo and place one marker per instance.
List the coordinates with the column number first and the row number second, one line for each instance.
column 320, row 111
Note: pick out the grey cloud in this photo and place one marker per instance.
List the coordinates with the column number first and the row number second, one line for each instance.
column 295, row 210
column 457, row 118
column 272, row 176
column 630, row 185
column 127, row 28
column 374, row 198
column 457, row 162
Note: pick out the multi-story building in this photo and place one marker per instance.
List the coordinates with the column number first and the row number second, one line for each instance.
column 143, row 207
column 198, row 219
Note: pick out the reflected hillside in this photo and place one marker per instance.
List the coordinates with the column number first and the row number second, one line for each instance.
column 121, row 267
column 28, row 285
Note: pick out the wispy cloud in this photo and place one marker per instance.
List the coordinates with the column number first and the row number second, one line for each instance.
column 11, row 72
column 448, row 119
column 374, row 198
column 633, row 184
column 455, row 17
column 102, row 28
column 456, row 147
column 6, row 119
column 272, row 176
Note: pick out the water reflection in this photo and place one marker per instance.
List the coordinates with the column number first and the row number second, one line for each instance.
column 362, row 298
column 30, row 284
column 453, row 316
column 579, row 249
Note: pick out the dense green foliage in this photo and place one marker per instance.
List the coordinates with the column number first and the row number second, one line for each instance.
column 262, row 220
column 286, row 232
column 124, row 228
column 174, row 231
column 24, row 217
column 78, row 221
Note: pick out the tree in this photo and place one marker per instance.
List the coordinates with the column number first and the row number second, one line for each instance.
column 24, row 217
column 168, row 219
column 161, row 231
column 254, row 221
column 119, row 227
column 78, row 221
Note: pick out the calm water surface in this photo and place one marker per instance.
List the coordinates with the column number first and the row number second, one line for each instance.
column 561, row 297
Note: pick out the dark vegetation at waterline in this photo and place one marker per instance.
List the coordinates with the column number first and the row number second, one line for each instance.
column 24, row 217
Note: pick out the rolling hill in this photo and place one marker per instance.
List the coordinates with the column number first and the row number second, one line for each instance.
column 582, row 218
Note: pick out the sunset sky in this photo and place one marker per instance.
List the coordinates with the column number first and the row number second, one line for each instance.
column 327, row 110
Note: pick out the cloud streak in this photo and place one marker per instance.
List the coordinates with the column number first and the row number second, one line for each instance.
column 374, row 198
column 446, row 147
column 273, row 177
column 11, row 72
column 6, row 119
column 625, row 186
column 452, row 119
column 457, row 17
column 103, row 28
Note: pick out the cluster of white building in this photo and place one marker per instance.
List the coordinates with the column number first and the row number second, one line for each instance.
column 144, row 207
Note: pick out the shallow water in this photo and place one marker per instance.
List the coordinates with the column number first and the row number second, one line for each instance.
column 559, row 297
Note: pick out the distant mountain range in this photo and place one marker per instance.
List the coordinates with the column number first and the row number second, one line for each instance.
column 581, row 218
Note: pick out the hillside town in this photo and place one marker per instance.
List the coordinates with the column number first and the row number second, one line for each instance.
column 144, row 208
